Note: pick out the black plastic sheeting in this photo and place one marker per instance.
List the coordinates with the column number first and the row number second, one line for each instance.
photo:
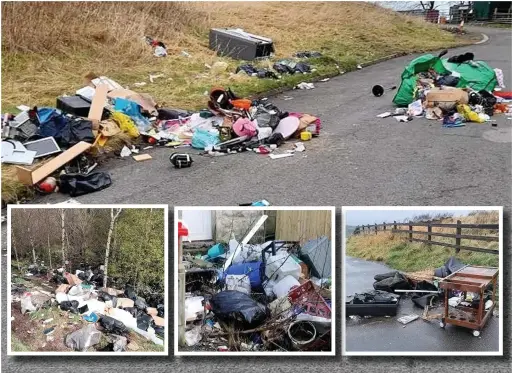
column 240, row 308
column 140, row 303
column 74, row 131
column 161, row 309
column 130, row 293
column 171, row 114
column 160, row 331
column 392, row 282
column 112, row 325
column 69, row 306
column 79, row 184
column 424, row 300
column 451, row 265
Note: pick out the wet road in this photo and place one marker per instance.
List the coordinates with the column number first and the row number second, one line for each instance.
column 386, row 334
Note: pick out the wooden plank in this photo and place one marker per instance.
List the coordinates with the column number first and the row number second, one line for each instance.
column 33, row 176
column 469, row 248
column 142, row 157
column 451, row 235
column 98, row 103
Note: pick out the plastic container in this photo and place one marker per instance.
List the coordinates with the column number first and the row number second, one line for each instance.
column 254, row 270
column 282, row 265
column 216, row 250
column 283, row 286
column 305, row 135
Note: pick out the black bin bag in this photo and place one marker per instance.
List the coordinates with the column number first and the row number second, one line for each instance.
column 238, row 308
column 112, row 325
column 79, row 184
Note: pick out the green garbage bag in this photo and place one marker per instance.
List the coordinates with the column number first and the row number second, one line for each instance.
column 475, row 74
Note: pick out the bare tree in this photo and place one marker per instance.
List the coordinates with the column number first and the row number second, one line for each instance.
column 31, row 239
column 13, row 244
column 49, row 251
column 63, row 230
column 113, row 218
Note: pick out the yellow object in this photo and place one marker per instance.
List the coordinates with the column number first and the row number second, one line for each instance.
column 125, row 124
column 305, row 136
column 468, row 114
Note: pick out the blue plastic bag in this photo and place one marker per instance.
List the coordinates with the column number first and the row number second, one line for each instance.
column 132, row 109
column 204, row 138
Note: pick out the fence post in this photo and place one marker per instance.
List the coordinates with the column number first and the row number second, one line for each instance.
column 429, row 229
column 369, row 229
column 457, row 239
column 384, row 225
column 410, row 231
column 375, row 228
column 394, row 225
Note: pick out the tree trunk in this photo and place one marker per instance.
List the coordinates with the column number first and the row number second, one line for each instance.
column 109, row 238
column 63, row 236
column 49, row 251
column 31, row 244
column 13, row 243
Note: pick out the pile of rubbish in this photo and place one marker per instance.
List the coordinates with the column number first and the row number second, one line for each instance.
column 105, row 311
column 67, row 142
column 453, row 90
column 393, row 287
column 270, row 297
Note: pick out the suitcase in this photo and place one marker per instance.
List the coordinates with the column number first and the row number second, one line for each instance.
column 240, row 45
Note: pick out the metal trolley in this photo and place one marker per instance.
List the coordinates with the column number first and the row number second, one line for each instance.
column 469, row 279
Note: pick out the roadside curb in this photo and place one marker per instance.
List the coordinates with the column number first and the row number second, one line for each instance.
column 485, row 39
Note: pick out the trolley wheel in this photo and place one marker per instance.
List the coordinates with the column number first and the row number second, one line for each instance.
column 476, row 333
column 442, row 324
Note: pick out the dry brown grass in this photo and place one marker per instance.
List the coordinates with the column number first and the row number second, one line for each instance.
column 397, row 252
column 48, row 47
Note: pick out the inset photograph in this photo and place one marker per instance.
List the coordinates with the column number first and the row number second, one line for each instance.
column 87, row 280
column 423, row 281
column 254, row 281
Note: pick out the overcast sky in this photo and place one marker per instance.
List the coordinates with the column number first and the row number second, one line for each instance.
column 364, row 217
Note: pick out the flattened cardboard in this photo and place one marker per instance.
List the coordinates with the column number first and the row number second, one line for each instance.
column 159, row 321
column 152, row 311
column 109, row 129
column 145, row 101
column 98, row 103
column 142, row 157
column 32, row 176
column 72, row 279
column 63, row 288
column 124, row 302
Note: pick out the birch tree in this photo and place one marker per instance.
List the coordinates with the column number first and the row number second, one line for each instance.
column 63, row 232
column 113, row 218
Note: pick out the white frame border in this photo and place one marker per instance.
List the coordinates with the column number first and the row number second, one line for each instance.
column 254, row 208
column 89, row 206
column 344, row 351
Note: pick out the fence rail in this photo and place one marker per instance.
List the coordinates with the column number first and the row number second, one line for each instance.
column 458, row 236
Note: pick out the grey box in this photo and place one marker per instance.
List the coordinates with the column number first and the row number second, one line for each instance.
column 240, row 45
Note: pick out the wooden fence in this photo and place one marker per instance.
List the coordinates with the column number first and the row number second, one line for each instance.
column 458, row 235
column 303, row 225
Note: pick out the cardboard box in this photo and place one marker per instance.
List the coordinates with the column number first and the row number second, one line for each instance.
column 63, row 288
column 72, row 279
column 448, row 95
column 152, row 311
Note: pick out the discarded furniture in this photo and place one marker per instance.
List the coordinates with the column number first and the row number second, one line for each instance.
column 240, row 44
column 469, row 279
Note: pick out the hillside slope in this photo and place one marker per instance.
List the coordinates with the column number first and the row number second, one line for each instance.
column 47, row 48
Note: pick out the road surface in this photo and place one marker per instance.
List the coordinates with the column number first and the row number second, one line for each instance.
column 386, row 334
column 358, row 159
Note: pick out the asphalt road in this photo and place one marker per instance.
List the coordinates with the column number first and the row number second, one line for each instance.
column 386, row 334
column 358, row 159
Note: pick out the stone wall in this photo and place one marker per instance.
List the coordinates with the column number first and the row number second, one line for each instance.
column 240, row 223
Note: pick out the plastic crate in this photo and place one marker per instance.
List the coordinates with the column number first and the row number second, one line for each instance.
column 306, row 297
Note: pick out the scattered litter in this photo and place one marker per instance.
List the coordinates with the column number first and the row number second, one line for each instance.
column 359, row 66
column 142, row 157
column 153, row 77
column 325, row 80
column 384, row 115
column 125, row 152
column 407, row 319
column 278, row 156
column 403, row 118
column 287, row 98
column 140, row 84
column 305, row 85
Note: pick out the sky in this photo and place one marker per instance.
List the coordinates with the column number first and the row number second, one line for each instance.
column 364, row 217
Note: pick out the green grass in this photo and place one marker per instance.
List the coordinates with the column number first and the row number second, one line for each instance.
column 18, row 346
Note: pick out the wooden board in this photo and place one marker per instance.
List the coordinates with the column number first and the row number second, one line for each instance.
column 29, row 176
column 98, row 103
column 302, row 225
column 142, row 157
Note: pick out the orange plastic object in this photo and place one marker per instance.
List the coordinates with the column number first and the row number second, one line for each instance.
column 242, row 103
